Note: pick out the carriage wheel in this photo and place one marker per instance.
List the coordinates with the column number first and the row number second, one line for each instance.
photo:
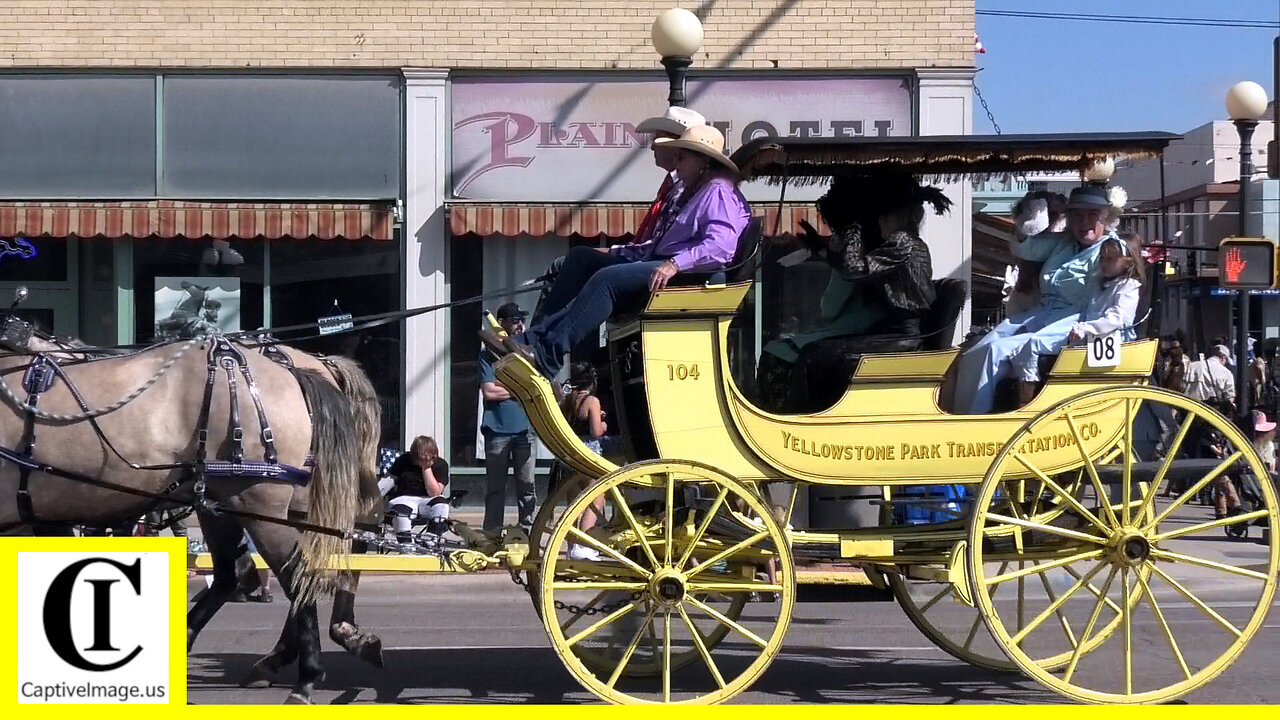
column 658, row 618
column 1131, row 554
column 940, row 615
column 956, row 627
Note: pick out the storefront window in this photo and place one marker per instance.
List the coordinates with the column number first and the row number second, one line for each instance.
column 318, row 278
column 480, row 266
column 182, row 287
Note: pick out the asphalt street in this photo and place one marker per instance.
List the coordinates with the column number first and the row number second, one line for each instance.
column 475, row 639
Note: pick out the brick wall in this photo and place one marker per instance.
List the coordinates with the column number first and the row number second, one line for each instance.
column 587, row 34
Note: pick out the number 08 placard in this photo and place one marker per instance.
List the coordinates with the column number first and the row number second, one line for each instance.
column 1103, row 351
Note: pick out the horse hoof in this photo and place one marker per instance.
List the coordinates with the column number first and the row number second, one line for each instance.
column 371, row 651
column 297, row 699
column 341, row 633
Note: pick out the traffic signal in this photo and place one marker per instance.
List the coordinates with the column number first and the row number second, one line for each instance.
column 1273, row 159
column 1246, row 263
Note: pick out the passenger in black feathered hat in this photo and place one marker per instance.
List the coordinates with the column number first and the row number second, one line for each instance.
column 881, row 282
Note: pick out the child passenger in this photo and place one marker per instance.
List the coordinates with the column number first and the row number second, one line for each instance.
column 1113, row 304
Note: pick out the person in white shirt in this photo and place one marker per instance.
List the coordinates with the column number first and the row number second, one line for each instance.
column 1210, row 382
column 1113, row 304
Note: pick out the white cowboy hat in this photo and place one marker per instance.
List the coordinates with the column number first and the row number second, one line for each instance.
column 702, row 139
column 675, row 121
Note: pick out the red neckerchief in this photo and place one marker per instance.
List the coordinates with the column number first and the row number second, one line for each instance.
column 651, row 217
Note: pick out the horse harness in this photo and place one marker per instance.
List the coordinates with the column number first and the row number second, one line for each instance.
column 223, row 355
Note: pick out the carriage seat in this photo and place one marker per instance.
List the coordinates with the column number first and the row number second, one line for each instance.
column 936, row 327
column 741, row 267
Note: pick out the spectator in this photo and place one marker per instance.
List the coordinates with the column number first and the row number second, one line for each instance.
column 1264, row 440
column 1210, row 382
column 419, row 477
column 582, row 409
column 508, row 441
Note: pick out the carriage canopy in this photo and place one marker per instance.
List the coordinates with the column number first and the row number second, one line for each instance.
column 939, row 156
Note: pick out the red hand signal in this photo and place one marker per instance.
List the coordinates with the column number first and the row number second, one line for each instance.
column 1234, row 265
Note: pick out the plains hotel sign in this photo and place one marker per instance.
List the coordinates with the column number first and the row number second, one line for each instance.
column 537, row 140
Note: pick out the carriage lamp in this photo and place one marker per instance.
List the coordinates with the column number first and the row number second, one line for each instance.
column 1246, row 103
column 676, row 35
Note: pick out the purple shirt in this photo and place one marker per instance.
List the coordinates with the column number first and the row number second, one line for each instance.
column 703, row 235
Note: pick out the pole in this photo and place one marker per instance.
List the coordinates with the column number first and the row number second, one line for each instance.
column 1245, row 129
column 677, row 69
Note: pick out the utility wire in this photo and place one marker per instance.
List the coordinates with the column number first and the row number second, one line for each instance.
column 1134, row 19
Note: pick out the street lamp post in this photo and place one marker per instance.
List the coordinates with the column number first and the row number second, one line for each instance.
column 676, row 35
column 1246, row 102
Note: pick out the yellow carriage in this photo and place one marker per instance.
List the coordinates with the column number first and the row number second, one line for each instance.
column 1074, row 555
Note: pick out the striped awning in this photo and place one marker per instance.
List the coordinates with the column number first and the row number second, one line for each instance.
column 182, row 219
column 616, row 220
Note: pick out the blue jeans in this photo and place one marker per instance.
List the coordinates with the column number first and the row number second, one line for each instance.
column 502, row 452
column 569, row 314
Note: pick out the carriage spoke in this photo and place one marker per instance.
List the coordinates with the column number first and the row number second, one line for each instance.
column 947, row 590
column 1023, row 572
column 728, row 552
column 1197, row 601
column 625, row 509
column 1088, row 629
column 669, row 523
column 608, row 551
column 1179, row 557
column 597, row 585
column 666, row 655
column 1103, row 499
column 1149, row 501
column 1094, row 589
column 1022, row 596
column 731, row 623
column 714, row 587
column 1194, row 490
column 611, row 617
column 702, row 647
column 973, row 631
column 1127, row 618
column 1051, row 529
column 631, row 649
column 1229, row 520
column 1067, row 497
column 702, row 527
column 1054, row 609
column 653, row 635
column 1127, row 474
column 1164, row 625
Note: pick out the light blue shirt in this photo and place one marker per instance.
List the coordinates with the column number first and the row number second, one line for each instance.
column 1069, row 273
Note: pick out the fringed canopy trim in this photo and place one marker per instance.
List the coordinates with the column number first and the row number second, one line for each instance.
column 938, row 158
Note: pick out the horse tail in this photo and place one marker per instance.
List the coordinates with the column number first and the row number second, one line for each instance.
column 359, row 391
column 333, row 485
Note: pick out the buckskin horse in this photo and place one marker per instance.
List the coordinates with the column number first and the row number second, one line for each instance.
column 204, row 422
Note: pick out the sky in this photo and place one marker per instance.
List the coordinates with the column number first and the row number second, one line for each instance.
column 1060, row 75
